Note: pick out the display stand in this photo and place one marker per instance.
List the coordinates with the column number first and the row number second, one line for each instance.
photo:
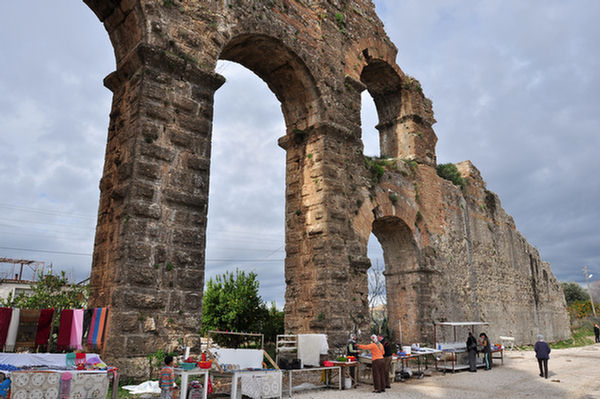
column 265, row 383
column 305, row 370
column 348, row 369
column 420, row 356
column 455, row 352
column 185, row 374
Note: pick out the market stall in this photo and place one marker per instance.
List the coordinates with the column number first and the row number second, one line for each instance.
column 48, row 375
column 416, row 355
column 454, row 352
column 249, row 374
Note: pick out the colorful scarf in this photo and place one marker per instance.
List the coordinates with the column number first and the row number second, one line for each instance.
column 11, row 337
column 5, row 315
column 64, row 329
column 43, row 330
column 76, row 329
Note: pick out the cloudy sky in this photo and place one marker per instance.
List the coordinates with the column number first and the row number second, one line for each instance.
column 515, row 87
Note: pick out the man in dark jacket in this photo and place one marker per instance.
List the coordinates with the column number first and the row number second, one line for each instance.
column 542, row 352
column 597, row 332
column 387, row 356
column 472, row 351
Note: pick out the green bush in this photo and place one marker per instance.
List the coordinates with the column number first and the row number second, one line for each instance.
column 449, row 171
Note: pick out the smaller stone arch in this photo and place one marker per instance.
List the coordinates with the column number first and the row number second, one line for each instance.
column 405, row 114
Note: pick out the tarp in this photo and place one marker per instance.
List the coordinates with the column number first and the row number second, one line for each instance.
column 243, row 358
column 144, row 387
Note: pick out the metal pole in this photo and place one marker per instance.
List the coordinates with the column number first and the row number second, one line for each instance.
column 587, row 280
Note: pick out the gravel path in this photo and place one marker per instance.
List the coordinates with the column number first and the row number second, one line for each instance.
column 574, row 373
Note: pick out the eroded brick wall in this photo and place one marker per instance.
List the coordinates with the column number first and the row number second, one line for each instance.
column 440, row 247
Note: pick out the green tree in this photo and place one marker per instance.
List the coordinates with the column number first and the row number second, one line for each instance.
column 232, row 303
column 51, row 291
column 449, row 171
column 273, row 323
column 574, row 292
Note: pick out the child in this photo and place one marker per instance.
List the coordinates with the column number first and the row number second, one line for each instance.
column 166, row 381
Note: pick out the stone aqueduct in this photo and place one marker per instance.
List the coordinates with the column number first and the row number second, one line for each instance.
column 449, row 253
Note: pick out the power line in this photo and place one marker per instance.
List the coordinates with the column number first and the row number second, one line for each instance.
column 82, row 254
column 46, row 211
column 47, row 251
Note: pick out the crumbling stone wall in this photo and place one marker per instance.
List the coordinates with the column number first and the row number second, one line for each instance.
column 317, row 57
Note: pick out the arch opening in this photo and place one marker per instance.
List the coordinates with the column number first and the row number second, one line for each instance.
column 283, row 71
column 404, row 288
column 245, row 228
column 377, row 287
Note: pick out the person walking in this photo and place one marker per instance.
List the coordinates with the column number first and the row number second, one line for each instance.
column 487, row 351
column 472, row 351
column 387, row 357
column 542, row 353
column 597, row 332
column 377, row 363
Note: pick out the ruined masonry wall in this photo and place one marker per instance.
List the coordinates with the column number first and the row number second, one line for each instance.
column 449, row 255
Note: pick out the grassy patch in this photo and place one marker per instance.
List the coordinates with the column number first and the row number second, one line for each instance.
column 582, row 336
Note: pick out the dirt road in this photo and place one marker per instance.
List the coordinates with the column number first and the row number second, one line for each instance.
column 574, row 373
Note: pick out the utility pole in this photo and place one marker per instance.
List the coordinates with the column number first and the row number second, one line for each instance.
column 587, row 280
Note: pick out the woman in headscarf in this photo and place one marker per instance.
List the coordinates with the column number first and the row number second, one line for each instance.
column 377, row 363
column 487, row 351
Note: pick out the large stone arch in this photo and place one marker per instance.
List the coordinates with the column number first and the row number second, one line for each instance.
column 317, row 57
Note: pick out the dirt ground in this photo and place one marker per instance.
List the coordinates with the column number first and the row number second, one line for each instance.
column 574, row 373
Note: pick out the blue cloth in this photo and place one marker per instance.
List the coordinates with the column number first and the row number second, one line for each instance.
column 542, row 350
column 4, row 387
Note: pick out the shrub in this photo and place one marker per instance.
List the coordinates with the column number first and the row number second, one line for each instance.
column 449, row 171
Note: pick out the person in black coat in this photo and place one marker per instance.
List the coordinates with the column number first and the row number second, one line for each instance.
column 487, row 351
column 542, row 353
column 387, row 356
column 472, row 351
column 597, row 332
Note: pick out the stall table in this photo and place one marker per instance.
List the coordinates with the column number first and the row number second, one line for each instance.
column 185, row 374
column 327, row 375
column 348, row 369
column 418, row 355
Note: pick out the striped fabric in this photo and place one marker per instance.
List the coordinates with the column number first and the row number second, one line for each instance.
column 96, row 334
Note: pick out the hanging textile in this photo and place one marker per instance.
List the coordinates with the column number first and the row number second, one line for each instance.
column 96, row 334
column 87, row 321
column 34, row 384
column 93, row 328
column 102, row 326
column 44, row 324
column 11, row 337
column 64, row 329
column 89, row 386
column 76, row 329
column 28, row 324
column 5, row 314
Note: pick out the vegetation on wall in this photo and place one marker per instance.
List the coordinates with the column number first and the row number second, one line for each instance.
column 450, row 172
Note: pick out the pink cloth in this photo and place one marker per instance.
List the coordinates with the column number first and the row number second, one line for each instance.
column 76, row 329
